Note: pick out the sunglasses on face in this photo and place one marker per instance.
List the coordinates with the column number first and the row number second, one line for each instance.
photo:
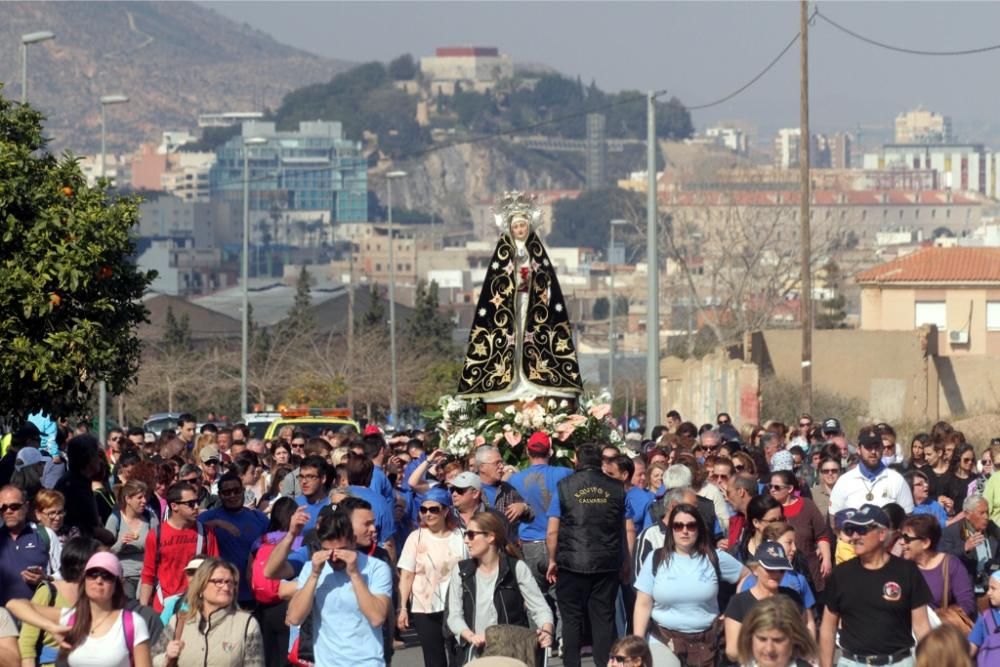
column 190, row 504
column 719, row 476
column 685, row 526
column 459, row 490
column 805, row 424
column 779, row 487
column 471, row 534
column 909, row 538
column 830, row 471
column 13, row 507
column 212, row 462
column 856, row 530
column 103, row 575
column 430, row 509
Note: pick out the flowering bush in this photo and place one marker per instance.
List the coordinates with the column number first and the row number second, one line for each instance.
column 463, row 425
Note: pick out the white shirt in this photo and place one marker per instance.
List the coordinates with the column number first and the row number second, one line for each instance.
column 853, row 490
column 108, row 650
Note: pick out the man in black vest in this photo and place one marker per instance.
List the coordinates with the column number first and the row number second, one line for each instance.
column 587, row 553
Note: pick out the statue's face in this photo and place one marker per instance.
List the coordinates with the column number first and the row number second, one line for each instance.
column 519, row 229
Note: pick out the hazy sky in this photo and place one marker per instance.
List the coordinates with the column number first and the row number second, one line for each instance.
column 699, row 51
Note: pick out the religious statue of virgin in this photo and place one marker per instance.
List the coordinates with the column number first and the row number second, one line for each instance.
column 521, row 343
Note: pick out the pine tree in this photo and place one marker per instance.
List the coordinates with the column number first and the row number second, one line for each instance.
column 374, row 320
column 300, row 320
column 428, row 330
column 176, row 334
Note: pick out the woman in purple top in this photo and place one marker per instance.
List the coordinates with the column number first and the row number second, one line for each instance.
column 919, row 535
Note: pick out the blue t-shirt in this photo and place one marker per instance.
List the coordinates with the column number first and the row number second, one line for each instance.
column 685, row 591
column 537, row 485
column 385, row 522
column 313, row 509
column 978, row 634
column 637, row 502
column 933, row 508
column 490, row 493
column 793, row 580
column 236, row 548
column 342, row 634
column 381, row 485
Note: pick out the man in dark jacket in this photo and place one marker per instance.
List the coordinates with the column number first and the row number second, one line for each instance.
column 587, row 553
column 975, row 541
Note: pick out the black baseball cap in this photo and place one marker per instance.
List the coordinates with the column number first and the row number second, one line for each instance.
column 869, row 438
column 832, row 425
column 772, row 556
column 868, row 515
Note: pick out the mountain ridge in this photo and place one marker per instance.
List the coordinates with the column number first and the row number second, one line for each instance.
column 173, row 59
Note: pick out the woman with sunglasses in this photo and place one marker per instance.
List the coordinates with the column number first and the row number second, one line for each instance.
column 828, row 472
column 920, row 535
column 963, row 473
column 429, row 555
column 130, row 523
column 812, row 531
column 761, row 511
column 630, row 651
column 744, row 463
column 214, row 631
column 493, row 586
column 773, row 634
column 97, row 630
column 677, row 591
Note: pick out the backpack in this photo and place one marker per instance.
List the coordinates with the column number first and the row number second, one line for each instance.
column 198, row 551
column 128, row 625
column 264, row 590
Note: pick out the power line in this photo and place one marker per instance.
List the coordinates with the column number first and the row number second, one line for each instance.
column 901, row 49
column 755, row 79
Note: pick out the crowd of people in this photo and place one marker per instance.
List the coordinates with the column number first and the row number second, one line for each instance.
column 700, row 546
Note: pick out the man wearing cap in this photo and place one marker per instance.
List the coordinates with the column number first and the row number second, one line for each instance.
column 210, row 462
column 834, row 434
column 587, row 553
column 871, row 481
column 537, row 485
column 878, row 601
column 26, row 436
column 467, row 499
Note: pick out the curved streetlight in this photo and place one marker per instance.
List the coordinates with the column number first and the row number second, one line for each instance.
column 245, row 270
column 30, row 38
column 394, row 401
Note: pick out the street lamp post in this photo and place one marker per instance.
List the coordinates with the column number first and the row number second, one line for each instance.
column 612, row 336
column 102, row 386
column 30, row 38
column 245, row 271
column 394, row 400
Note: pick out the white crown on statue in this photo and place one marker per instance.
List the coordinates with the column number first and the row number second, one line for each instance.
column 513, row 205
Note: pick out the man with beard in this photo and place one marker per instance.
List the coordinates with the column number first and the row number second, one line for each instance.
column 871, row 481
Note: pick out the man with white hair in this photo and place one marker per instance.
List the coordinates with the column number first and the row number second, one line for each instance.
column 497, row 493
column 651, row 539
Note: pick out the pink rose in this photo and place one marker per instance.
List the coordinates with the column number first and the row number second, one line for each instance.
column 576, row 420
column 512, row 438
column 479, row 441
column 600, row 411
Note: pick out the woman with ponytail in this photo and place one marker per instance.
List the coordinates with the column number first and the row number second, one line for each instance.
column 130, row 522
column 495, row 572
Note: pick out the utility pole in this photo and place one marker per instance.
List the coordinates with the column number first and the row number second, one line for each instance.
column 653, row 274
column 805, row 278
column 350, row 322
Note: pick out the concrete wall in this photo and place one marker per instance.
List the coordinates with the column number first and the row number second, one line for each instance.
column 702, row 388
column 892, row 372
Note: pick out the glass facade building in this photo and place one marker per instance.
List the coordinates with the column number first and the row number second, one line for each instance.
column 312, row 172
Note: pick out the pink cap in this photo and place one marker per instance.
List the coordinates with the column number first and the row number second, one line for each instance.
column 105, row 560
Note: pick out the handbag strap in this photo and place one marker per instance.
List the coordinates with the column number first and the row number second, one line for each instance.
column 947, row 584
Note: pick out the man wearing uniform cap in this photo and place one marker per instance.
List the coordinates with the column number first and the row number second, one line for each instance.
column 877, row 600
column 537, row 485
column 834, row 433
column 871, row 481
